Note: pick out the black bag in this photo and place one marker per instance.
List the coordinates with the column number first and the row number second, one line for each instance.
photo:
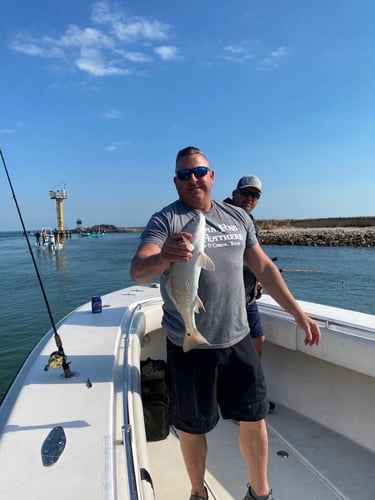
column 155, row 399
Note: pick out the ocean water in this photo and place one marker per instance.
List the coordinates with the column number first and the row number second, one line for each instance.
column 343, row 277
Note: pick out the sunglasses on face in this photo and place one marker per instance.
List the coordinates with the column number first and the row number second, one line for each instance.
column 249, row 194
column 185, row 173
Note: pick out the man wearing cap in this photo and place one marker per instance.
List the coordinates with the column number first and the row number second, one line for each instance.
column 246, row 195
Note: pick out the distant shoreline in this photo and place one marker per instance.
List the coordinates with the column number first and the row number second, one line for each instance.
column 334, row 231
column 273, row 224
column 329, row 222
column 338, row 231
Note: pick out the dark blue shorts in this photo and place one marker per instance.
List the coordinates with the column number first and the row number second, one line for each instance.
column 253, row 318
column 203, row 380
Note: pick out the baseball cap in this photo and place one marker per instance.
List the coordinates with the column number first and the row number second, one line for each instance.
column 250, row 181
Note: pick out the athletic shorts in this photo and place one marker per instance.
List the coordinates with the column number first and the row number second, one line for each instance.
column 203, row 380
column 253, row 318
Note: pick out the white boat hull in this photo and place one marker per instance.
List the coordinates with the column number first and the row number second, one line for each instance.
column 324, row 419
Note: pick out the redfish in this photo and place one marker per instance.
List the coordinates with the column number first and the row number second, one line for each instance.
column 182, row 285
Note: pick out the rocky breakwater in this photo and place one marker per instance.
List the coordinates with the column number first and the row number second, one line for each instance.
column 355, row 237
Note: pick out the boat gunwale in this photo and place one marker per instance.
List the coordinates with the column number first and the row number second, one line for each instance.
column 128, row 430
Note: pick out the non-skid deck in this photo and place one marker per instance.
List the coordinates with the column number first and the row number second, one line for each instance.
column 306, row 462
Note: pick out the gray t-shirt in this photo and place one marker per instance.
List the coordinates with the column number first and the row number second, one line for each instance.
column 229, row 231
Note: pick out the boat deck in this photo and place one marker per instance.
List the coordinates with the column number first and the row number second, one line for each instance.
column 321, row 465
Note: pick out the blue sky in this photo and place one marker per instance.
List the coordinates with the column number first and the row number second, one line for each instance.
column 100, row 96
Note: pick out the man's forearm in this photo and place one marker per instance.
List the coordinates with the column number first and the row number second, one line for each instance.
column 148, row 268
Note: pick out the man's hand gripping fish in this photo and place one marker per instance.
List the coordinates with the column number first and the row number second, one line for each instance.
column 182, row 285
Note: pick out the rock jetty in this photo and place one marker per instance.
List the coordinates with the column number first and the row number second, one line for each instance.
column 338, row 237
column 333, row 231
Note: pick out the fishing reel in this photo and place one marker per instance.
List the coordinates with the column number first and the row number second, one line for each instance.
column 56, row 360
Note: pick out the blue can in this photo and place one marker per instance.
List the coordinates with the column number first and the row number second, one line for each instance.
column 96, row 304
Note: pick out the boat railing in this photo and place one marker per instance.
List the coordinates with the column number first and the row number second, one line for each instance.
column 350, row 329
column 127, row 428
column 128, row 431
column 337, row 325
column 348, row 342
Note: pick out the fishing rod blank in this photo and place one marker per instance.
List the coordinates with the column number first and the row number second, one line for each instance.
column 57, row 358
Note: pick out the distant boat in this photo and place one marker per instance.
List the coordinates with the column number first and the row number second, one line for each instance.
column 92, row 234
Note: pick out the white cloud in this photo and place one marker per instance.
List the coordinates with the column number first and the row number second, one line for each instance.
column 109, row 47
column 278, row 53
column 93, row 61
column 129, row 28
column 167, row 52
column 237, row 53
column 101, row 13
column 138, row 57
column 140, row 29
column 116, row 146
column 112, row 114
column 13, row 130
column 88, row 37
column 44, row 47
column 272, row 60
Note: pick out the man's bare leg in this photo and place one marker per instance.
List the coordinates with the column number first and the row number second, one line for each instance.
column 194, row 452
column 254, row 448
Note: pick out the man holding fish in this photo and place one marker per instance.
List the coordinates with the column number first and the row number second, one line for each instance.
column 198, row 246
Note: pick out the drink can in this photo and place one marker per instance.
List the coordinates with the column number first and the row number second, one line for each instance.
column 96, row 304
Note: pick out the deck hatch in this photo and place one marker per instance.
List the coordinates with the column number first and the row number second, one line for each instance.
column 53, row 446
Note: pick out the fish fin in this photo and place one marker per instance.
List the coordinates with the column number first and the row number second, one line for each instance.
column 193, row 340
column 198, row 305
column 188, row 244
column 205, row 262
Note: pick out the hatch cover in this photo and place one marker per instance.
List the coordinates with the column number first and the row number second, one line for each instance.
column 53, row 446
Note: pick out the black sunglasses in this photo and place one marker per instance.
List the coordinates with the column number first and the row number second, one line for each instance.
column 185, row 173
column 249, row 194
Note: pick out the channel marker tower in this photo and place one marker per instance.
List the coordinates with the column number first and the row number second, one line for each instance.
column 60, row 195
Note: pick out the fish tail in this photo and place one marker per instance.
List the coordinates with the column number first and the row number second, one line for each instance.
column 192, row 340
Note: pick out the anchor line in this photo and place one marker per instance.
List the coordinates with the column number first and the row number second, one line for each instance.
column 60, row 350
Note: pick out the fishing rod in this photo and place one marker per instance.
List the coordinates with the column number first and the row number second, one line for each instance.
column 57, row 358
